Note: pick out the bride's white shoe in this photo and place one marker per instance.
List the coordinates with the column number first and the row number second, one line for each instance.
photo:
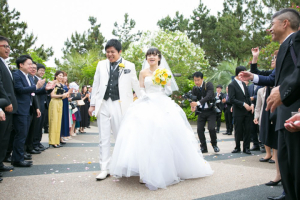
column 103, row 175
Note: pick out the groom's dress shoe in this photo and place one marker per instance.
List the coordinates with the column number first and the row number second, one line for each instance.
column 103, row 175
column 6, row 168
column 281, row 197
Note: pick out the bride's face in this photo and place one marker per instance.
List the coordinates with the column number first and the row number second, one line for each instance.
column 153, row 59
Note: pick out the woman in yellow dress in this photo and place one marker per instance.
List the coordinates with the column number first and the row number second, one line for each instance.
column 55, row 110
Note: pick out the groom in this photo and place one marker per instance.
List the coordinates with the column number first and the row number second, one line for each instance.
column 114, row 80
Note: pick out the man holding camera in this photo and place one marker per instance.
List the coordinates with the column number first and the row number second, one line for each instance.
column 205, row 109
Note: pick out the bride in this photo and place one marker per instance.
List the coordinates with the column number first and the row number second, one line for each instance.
column 155, row 140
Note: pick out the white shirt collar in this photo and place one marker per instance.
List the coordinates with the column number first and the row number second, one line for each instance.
column 24, row 73
column 238, row 81
column 287, row 37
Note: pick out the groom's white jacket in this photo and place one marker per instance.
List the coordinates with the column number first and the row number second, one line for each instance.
column 127, row 82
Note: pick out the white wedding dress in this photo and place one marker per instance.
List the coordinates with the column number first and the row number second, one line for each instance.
column 156, row 142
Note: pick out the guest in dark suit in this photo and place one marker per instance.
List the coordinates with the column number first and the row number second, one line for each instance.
column 204, row 110
column 227, row 113
column 284, row 25
column 25, row 89
column 8, row 93
column 219, row 96
column 44, row 104
column 252, row 89
column 242, row 108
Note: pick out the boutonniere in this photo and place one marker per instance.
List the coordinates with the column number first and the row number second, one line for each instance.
column 33, row 94
column 121, row 66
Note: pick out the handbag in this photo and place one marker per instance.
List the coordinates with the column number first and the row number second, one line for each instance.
column 80, row 103
column 76, row 96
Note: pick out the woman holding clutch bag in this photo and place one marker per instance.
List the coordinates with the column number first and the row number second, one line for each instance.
column 55, row 110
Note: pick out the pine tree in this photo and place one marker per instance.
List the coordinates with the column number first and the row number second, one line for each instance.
column 15, row 31
column 124, row 32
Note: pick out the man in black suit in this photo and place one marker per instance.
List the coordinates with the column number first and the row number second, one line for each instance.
column 34, row 115
column 219, row 96
column 284, row 25
column 44, row 103
column 7, row 92
column 242, row 108
column 252, row 89
column 205, row 110
column 227, row 113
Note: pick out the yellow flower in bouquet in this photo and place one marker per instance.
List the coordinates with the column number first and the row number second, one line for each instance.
column 161, row 77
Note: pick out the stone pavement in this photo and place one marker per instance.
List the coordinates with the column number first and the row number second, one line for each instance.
column 69, row 173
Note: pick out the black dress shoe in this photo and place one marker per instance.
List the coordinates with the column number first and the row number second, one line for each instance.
column 282, row 196
column 271, row 161
column 27, row 154
column 264, row 160
column 255, row 148
column 6, row 168
column 43, row 147
column 226, row 133
column 1, row 174
column 21, row 164
column 216, row 148
column 27, row 157
column 272, row 183
column 236, row 151
column 7, row 159
column 204, row 150
column 229, row 133
column 247, row 151
column 34, row 152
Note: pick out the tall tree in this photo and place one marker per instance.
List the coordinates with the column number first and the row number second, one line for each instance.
column 124, row 32
column 15, row 30
column 178, row 23
column 82, row 43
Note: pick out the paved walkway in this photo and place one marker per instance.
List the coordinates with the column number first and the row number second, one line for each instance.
column 69, row 173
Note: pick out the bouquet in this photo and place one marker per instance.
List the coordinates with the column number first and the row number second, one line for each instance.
column 161, row 77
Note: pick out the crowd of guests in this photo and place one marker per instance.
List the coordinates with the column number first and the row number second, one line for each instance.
column 262, row 113
column 28, row 104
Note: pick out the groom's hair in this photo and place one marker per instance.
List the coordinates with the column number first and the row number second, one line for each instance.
column 239, row 69
column 154, row 51
column 114, row 43
column 198, row 75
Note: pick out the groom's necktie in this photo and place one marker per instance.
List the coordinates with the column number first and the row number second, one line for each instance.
column 114, row 64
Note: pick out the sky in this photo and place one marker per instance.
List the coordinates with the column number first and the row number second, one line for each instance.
column 53, row 21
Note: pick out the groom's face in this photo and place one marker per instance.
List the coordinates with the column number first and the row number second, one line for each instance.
column 112, row 54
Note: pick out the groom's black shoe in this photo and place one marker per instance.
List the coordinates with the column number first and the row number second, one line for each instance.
column 216, row 148
column 204, row 150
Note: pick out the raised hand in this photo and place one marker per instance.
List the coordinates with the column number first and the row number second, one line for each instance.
column 246, row 76
column 40, row 83
column 255, row 52
column 50, row 85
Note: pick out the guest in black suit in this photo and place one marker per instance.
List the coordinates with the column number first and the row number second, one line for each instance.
column 219, row 96
column 25, row 90
column 34, row 115
column 44, row 104
column 205, row 111
column 8, row 93
column 285, row 91
column 252, row 89
column 242, row 109
column 228, row 113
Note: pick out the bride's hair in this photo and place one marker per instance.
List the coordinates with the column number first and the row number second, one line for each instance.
column 154, row 51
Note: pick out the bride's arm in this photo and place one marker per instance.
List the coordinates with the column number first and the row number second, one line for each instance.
column 142, row 85
column 168, row 90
